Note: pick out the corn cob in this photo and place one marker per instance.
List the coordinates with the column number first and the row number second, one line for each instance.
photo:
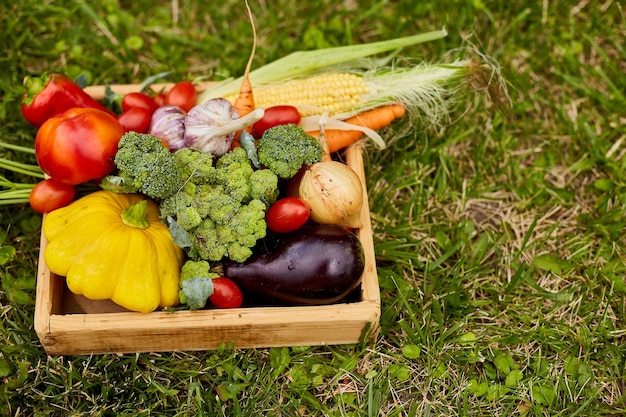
column 332, row 92
column 427, row 91
column 300, row 63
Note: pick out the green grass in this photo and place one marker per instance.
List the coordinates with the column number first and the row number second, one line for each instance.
column 499, row 241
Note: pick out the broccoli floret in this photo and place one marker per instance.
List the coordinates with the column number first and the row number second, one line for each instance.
column 234, row 237
column 284, row 149
column 194, row 269
column 207, row 243
column 196, row 167
column 235, row 157
column 249, row 223
column 188, row 218
column 146, row 166
column 201, row 199
column 195, row 283
column 184, row 197
column 233, row 171
column 238, row 252
column 220, row 205
column 264, row 186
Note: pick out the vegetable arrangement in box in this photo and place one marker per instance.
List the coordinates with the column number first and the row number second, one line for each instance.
column 223, row 198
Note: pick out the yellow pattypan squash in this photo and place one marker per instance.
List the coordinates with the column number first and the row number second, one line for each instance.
column 114, row 246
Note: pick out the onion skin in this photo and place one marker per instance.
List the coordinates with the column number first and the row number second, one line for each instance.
column 315, row 265
column 168, row 123
column 334, row 192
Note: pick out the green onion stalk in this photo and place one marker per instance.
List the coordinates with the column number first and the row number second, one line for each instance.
column 13, row 192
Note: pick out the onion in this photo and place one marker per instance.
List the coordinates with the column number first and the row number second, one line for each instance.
column 168, row 123
column 332, row 189
column 334, row 192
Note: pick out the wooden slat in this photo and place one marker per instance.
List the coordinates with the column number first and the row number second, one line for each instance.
column 369, row 285
column 98, row 91
column 207, row 329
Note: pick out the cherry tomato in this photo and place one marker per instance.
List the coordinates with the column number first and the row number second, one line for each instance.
column 274, row 116
column 287, row 215
column 226, row 294
column 183, row 95
column 159, row 99
column 50, row 194
column 137, row 99
column 135, row 119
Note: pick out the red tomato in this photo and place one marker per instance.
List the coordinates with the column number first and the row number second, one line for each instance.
column 274, row 116
column 135, row 119
column 226, row 294
column 78, row 145
column 287, row 215
column 159, row 99
column 141, row 100
column 50, row 195
column 183, row 95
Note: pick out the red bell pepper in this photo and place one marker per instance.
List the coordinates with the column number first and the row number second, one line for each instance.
column 53, row 94
column 78, row 146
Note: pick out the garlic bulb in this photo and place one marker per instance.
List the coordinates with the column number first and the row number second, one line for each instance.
column 334, row 192
column 168, row 123
column 212, row 125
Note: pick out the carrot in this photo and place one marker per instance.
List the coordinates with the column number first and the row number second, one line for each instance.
column 244, row 103
column 374, row 119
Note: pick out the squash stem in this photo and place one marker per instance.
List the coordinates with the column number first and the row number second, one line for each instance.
column 136, row 216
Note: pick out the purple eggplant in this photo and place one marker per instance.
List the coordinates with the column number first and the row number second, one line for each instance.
column 315, row 265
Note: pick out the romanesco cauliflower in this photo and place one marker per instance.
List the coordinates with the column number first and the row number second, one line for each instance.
column 222, row 209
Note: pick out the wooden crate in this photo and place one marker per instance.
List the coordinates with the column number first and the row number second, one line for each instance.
column 68, row 324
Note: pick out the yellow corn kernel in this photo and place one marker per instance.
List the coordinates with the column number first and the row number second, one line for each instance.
column 333, row 92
